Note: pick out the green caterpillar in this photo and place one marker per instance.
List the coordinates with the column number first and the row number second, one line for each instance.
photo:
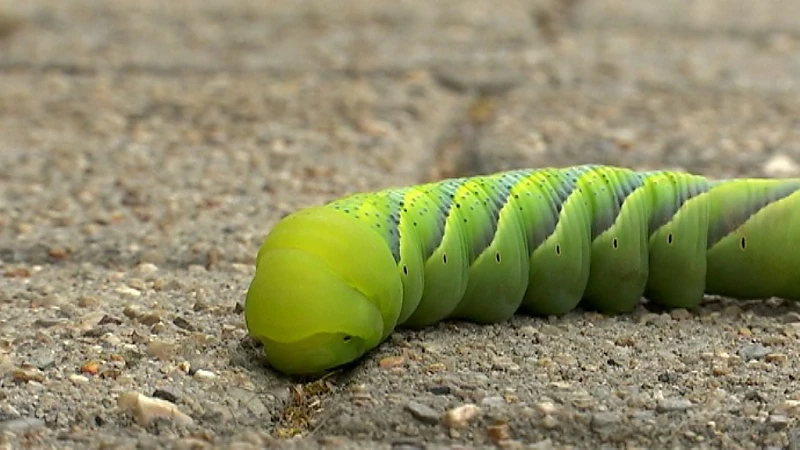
column 332, row 282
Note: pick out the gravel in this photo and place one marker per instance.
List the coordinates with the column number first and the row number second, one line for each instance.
column 146, row 147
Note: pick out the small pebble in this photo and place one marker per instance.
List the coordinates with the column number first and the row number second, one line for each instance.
column 755, row 351
column 149, row 319
column 549, row 422
column 137, row 283
column 391, row 361
column 58, row 253
column 146, row 268
column 440, row 390
column 674, row 404
column 432, row 349
column 88, row 301
column 112, row 339
column 781, row 166
column 181, row 322
column 423, row 413
column 146, row 409
column 625, row 341
column 47, row 323
column 78, row 379
column 90, row 367
column 131, row 312
column 161, row 350
column 546, row 407
column 186, row 367
column 778, row 421
column 460, row 416
column 26, row 375
column 204, row 375
column 745, row 332
column 624, row 138
column 498, row 432
column 129, row 291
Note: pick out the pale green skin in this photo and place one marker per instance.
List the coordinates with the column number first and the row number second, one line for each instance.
column 333, row 282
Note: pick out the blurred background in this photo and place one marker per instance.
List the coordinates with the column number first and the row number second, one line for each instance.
column 184, row 129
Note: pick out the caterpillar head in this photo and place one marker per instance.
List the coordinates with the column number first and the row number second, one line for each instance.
column 325, row 291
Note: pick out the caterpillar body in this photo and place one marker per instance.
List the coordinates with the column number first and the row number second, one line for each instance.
column 333, row 281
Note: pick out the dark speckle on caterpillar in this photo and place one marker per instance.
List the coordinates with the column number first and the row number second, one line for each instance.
column 332, row 282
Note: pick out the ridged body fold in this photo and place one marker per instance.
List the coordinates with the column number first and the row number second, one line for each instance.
column 544, row 240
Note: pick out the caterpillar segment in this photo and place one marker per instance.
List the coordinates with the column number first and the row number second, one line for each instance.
column 332, row 282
